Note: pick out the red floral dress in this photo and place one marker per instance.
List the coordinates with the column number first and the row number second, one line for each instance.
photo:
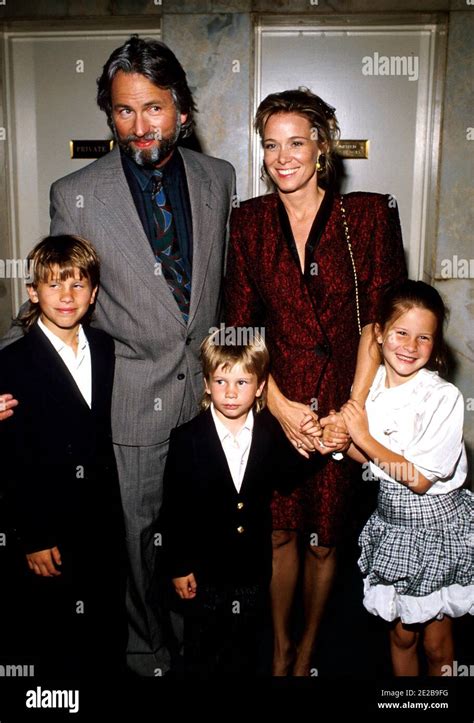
column 310, row 319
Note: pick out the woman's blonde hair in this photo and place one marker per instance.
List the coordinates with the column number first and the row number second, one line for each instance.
column 229, row 346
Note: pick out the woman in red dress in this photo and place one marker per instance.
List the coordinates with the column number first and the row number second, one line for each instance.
column 310, row 266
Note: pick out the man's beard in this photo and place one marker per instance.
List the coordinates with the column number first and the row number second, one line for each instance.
column 149, row 156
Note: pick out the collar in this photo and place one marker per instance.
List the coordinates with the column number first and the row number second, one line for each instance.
column 143, row 174
column 223, row 432
column 401, row 393
column 58, row 343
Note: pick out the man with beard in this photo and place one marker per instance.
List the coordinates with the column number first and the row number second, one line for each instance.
column 157, row 215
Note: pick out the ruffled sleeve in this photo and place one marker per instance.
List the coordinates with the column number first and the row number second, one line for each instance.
column 437, row 446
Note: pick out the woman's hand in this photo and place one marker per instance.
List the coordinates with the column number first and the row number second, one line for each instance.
column 355, row 417
column 298, row 421
column 300, row 424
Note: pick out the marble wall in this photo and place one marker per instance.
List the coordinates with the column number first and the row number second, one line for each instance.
column 453, row 256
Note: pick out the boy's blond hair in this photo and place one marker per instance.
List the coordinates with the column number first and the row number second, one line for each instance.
column 253, row 356
column 67, row 252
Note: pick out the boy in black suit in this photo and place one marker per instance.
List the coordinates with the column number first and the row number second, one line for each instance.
column 61, row 469
column 221, row 470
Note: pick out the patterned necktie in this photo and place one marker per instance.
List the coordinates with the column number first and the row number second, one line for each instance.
column 166, row 247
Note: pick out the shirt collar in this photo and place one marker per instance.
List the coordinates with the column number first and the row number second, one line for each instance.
column 143, row 174
column 401, row 393
column 58, row 343
column 223, row 432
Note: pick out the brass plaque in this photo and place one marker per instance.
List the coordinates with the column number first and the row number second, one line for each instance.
column 90, row 149
column 353, row 149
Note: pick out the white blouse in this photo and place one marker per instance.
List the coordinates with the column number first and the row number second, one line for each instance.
column 422, row 420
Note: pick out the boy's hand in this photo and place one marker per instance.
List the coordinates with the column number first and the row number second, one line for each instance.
column 185, row 586
column 7, row 403
column 356, row 420
column 43, row 562
column 335, row 434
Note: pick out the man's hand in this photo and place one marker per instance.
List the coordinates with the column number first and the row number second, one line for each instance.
column 7, row 403
column 43, row 562
column 185, row 586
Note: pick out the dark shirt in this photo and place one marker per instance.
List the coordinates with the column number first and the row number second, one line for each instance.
column 140, row 182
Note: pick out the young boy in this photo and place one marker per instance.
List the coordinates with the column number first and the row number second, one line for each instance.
column 221, row 470
column 61, row 468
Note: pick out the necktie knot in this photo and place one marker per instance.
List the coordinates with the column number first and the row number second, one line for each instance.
column 157, row 186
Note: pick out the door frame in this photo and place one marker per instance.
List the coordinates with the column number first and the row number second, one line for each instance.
column 9, row 237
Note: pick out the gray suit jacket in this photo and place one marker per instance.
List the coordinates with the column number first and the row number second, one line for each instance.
column 158, row 381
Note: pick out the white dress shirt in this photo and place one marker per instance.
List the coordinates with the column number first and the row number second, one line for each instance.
column 80, row 366
column 236, row 449
column 422, row 420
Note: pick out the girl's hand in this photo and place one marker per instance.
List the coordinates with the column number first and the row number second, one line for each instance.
column 43, row 562
column 356, row 421
column 335, row 434
column 185, row 586
column 296, row 420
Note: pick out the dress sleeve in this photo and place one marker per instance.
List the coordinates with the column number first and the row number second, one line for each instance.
column 386, row 256
column 437, row 445
column 242, row 302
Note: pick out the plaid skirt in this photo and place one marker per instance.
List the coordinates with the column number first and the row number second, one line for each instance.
column 417, row 554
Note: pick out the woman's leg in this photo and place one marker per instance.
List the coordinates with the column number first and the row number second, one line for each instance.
column 403, row 644
column 438, row 644
column 319, row 571
column 282, row 591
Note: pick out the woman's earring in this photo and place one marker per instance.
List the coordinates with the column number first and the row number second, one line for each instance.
column 321, row 162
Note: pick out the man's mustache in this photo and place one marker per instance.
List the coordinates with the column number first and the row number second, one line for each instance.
column 156, row 136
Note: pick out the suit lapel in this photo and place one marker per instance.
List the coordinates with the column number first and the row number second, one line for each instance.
column 210, row 448
column 257, row 446
column 202, row 205
column 122, row 224
column 98, row 370
column 61, row 383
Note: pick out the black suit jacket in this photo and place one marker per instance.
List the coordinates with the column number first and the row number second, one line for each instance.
column 210, row 529
column 60, row 466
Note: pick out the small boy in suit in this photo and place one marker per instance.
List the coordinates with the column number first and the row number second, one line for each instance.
column 60, row 469
column 221, row 470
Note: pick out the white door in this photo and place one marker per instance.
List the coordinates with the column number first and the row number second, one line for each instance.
column 382, row 81
column 51, row 90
